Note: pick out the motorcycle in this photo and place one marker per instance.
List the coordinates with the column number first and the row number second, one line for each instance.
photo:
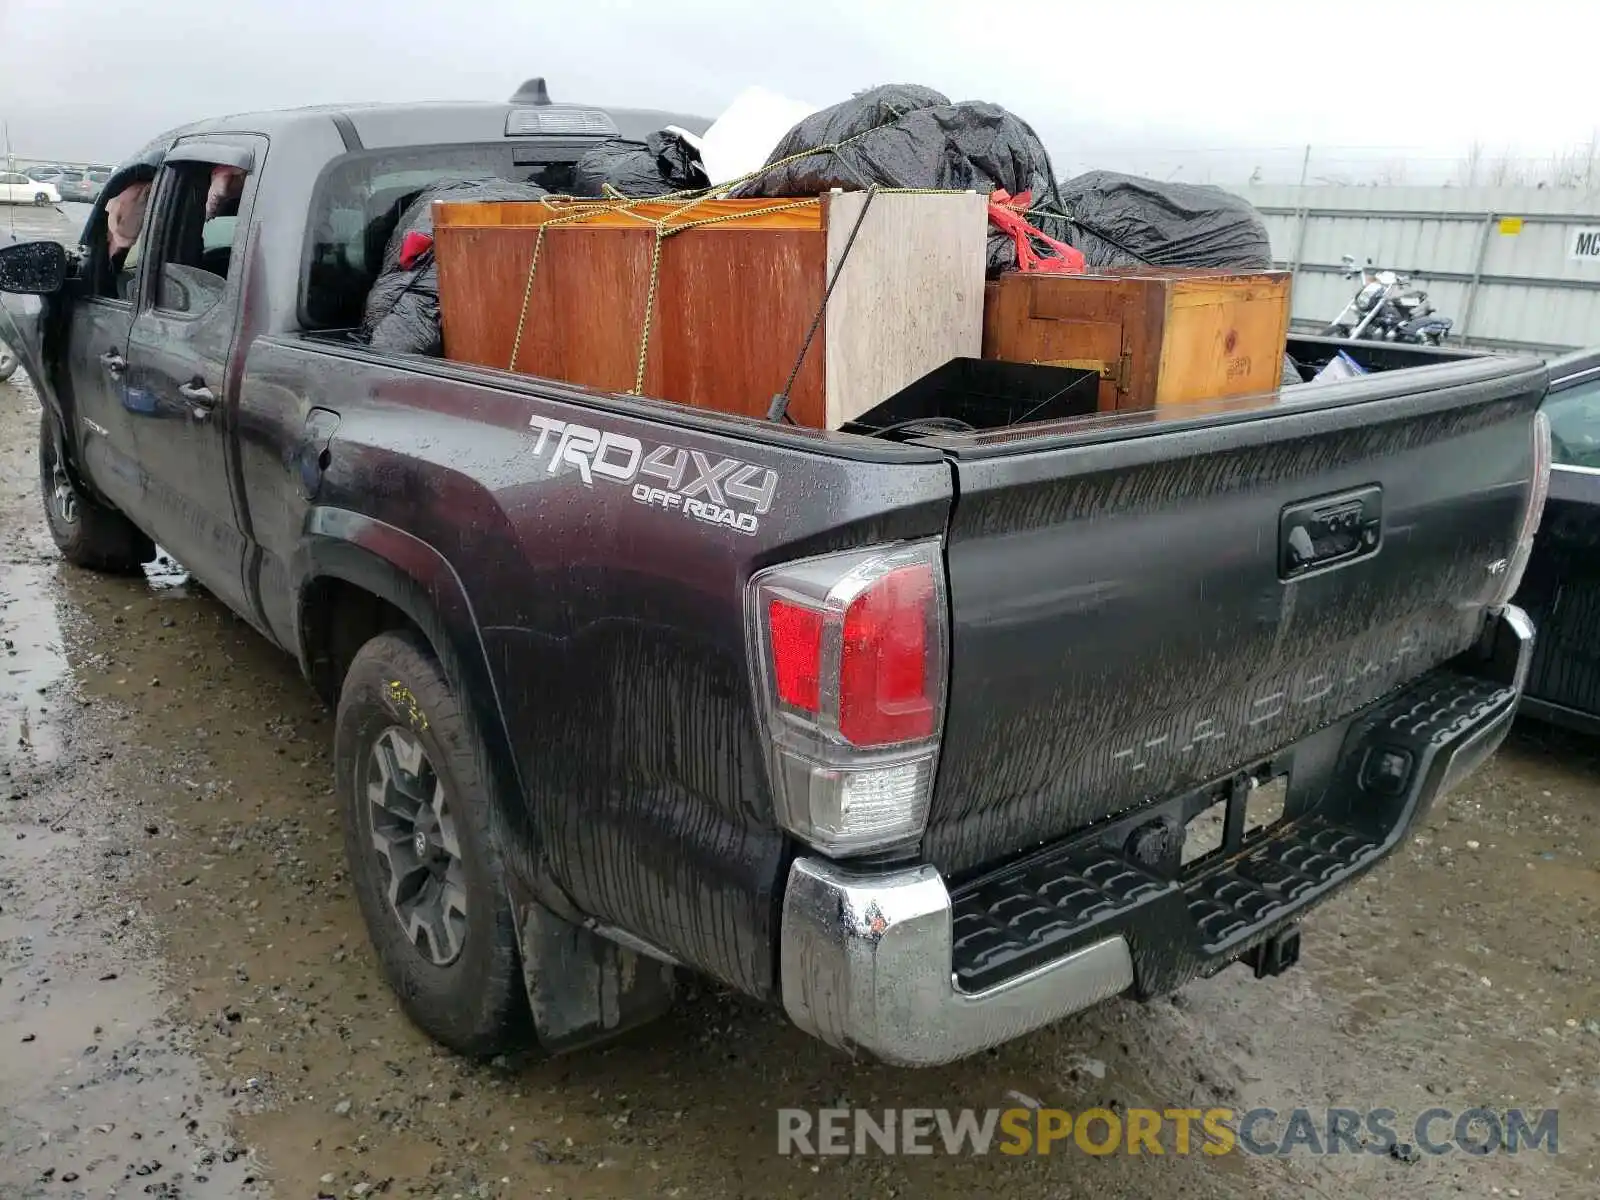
column 1387, row 308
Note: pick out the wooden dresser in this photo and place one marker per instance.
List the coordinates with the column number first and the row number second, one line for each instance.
column 736, row 286
column 1156, row 337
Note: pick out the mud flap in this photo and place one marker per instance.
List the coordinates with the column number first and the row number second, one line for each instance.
column 583, row 988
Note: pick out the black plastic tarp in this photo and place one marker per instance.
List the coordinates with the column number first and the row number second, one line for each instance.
column 839, row 123
column 664, row 162
column 1125, row 221
column 904, row 136
column 403, row 306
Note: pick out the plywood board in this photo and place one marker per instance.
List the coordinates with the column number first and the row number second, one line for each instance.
column 910, row 297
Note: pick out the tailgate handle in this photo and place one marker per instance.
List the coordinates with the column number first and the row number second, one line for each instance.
column 1329, row 531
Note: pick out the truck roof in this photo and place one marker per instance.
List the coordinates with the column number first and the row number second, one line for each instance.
column 412, row 124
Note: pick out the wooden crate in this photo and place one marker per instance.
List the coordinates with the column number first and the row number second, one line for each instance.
column 1156, row 336
column 733, row 300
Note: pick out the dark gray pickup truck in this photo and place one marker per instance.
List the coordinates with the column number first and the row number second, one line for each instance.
column 931, row 738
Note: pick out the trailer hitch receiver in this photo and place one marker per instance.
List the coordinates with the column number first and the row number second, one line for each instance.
column 1275, row 955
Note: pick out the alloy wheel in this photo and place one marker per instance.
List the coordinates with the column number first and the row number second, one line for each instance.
column 412, row 822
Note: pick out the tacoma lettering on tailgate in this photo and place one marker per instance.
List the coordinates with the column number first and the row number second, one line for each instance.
column 717, row 491
column 1269, row 705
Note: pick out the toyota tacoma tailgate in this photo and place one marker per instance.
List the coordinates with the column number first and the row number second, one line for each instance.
column 1140, row 604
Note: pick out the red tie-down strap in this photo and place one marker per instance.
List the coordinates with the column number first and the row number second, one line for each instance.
column 412, row 247
column 1008, row 214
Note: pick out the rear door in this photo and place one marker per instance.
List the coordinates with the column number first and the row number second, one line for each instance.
column 179, row 380
column 1131, row 615
column 1562, row 588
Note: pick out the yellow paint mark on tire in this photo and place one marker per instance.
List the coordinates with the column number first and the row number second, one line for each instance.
column 403, row 699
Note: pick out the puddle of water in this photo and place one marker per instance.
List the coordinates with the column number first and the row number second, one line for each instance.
column 103, row 1094
column 32, row 665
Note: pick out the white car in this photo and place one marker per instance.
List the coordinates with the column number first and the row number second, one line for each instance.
column 17, row 188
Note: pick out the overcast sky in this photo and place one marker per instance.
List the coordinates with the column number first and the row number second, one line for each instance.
column 92, row 79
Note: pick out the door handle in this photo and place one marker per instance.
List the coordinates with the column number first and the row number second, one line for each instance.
column 113, row 362
column 198, row 394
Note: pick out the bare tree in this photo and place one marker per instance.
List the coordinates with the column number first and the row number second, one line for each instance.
column 1391, row 173
column 1506, row 171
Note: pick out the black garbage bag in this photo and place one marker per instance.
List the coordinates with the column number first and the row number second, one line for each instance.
column 938, row 145
column 678, row 160
column 403, row 306
column 838, row 123
column 1125, row 221
column 664, row 162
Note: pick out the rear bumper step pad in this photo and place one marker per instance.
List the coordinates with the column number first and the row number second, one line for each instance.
column 1194, row 919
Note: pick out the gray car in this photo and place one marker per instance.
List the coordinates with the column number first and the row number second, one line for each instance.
column 76, row 186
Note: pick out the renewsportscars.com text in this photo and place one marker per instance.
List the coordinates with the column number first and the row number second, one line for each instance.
column 1160, row 1131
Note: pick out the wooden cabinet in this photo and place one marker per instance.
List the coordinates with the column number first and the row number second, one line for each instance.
column 729, row 294
column 1156, row 337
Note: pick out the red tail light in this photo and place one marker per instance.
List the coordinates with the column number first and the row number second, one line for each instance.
column 850, row 652
column 885, row 690
column 796, row 653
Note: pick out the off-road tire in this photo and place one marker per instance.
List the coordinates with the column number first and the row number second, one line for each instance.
column 477, row 1003
column 87, row 533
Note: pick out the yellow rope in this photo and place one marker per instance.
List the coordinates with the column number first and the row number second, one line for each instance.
column 527, row 290
column 664, row 231
column 649, row 314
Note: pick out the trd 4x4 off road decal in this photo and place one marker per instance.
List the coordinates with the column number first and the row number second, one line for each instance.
column 718, row 491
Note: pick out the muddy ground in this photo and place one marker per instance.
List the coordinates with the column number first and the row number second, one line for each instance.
column 188, row 1007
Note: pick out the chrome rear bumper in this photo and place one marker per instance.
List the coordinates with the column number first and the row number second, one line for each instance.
column 867, row 963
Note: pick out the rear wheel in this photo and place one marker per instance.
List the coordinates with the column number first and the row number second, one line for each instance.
column 88, row 534
column 411, row 778
column 41, row 199
column 8, row 362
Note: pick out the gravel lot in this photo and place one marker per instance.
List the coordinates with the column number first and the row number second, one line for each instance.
column 188, row 1007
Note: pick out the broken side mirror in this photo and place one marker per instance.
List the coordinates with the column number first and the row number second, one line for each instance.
column 33, row 268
